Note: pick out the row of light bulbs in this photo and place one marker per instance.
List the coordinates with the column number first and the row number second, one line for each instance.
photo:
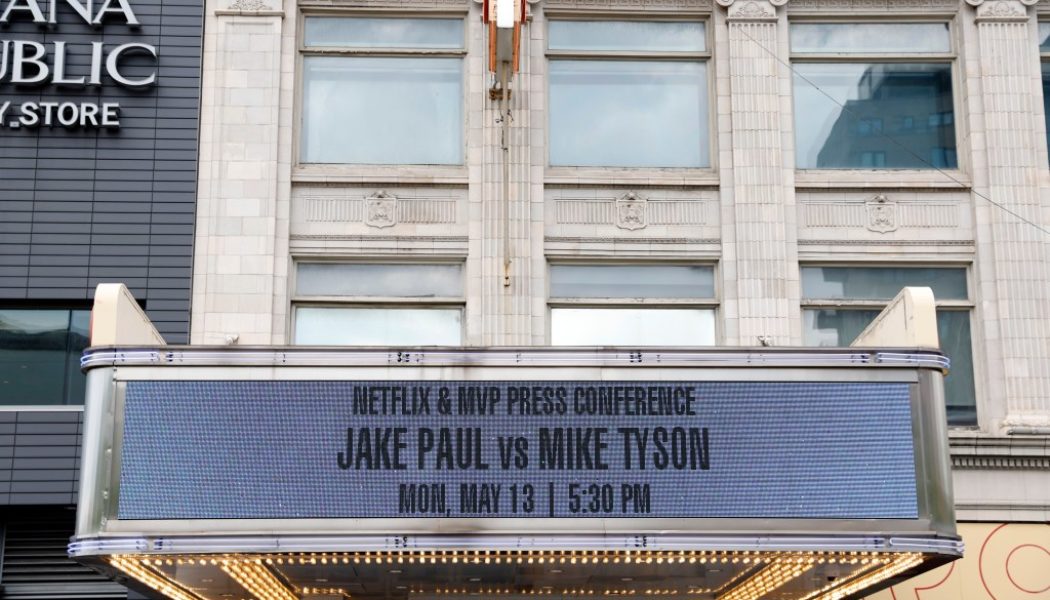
column 539, row 557
column 254, row 573
column 564, row 592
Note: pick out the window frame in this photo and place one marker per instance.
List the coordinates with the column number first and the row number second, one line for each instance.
column 968, row 306
column 713, row 304
column 297, row 300
column 303, row 51
column 951, row 58
column 705, row 57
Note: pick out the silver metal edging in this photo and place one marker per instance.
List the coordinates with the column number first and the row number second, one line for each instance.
column 274, row 544
column 502, row 357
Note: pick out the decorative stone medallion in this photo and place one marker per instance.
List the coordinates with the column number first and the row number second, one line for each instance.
column 882, row 215
column 631, row 212
column 381, row 210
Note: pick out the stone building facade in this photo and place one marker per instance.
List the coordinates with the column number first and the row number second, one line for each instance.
column 826, row 152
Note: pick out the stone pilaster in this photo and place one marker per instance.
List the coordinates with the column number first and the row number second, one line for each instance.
column 760, row 257
column 234, row 257
column 500, row 264
column 1013, row 257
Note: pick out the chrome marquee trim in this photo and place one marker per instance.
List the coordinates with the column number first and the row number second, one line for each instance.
column 95, row 546
column 494, row 357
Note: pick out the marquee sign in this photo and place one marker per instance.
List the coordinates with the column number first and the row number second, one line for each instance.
column 715, row 474
column 517, row 449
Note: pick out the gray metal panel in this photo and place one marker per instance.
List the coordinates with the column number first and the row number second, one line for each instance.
column 40, row 456
column 83, row 206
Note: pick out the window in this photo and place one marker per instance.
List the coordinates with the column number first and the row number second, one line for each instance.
column 404, row 107
column 1044, row 51
column 891, row 85
column 352, row 304
column 632, row 305
column 628, row 94
column 40, row 355
column 841, row 301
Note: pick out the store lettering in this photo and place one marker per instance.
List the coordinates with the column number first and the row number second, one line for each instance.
column 27, row 63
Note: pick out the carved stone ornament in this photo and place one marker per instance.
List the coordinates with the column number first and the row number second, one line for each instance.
column 632, row 212
column 752, row 10
column 1002, row 10
column 381, row 210
column 250, row 5
column 882, row 215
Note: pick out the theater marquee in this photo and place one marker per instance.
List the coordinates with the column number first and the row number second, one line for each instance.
column 334, row 473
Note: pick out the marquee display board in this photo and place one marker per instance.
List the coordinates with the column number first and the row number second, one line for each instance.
column 723, row 474
column 517, row 449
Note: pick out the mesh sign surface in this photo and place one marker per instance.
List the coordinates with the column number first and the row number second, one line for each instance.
column 516, row 449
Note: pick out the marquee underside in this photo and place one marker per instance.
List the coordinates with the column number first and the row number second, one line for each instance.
column 433, row 574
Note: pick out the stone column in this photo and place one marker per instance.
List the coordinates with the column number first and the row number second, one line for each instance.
column 760, row 256
column 500, row 266
column 234, row 265
column 1013, row 257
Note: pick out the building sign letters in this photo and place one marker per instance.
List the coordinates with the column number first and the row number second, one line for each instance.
column 32, row 63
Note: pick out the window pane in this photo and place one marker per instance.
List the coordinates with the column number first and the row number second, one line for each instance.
column 880, row 283
column 632, row 327
column 368, row 110
column 37, row 349
column 870, row 37
column 884, row 115
column 352, row 32
column 643, row 36
column 637, row 281
column 377, row 326
column 628, row 114
column 410, row 281
column 953, row 329
column 1044, row 36
column 834, row 328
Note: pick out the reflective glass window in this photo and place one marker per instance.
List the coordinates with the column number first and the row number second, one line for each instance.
column 632, row 327
column 361, row 32
column 880, row 283
column 378, row 326
column 382, row 110
column 40, row 353
column 619, row 113
column 879, row 115
column 1044, row 36
column 631, row 281
column 383, row 280
column 870, row 38
column 639, row 36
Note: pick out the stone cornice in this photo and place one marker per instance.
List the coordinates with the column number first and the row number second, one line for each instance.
column 979, row 451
